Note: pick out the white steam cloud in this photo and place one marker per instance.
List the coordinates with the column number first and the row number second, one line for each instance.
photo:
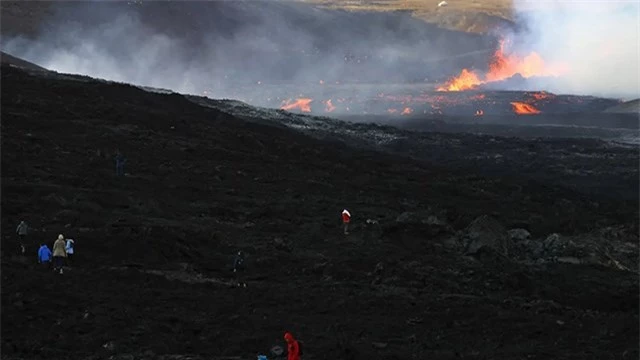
column 599, row 42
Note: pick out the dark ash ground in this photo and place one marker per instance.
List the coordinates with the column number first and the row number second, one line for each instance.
column 435, row 279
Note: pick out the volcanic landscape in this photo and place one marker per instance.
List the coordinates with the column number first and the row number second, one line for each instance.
column 493, row 218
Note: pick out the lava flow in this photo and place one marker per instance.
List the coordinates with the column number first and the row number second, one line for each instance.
column 524, row 109
column 503, row 66
column 303, row 104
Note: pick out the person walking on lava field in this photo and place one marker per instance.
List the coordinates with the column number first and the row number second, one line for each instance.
column 346, row 218
column 44, row 255
column 59, row 253
column 120, row 161
column 238, row 269
column 294, row 352
column 22, row 231
column 69, row 248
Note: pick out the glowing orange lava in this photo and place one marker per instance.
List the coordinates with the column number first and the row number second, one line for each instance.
column 524, row 109
column 504, row 66
column 467, row 80
column 541, row 95
column 302, row 104
column 406, row 111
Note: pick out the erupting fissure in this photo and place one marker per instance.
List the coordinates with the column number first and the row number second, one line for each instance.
column 503, row 66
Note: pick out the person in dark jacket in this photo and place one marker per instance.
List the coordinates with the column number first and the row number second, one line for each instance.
column 44, row 255
column 293, row 348
column 120, row 161
column 238, row 269
column 22, row 231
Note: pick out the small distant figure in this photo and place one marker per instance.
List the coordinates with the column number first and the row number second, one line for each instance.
column 44, row 255
column 120, row 161
column 59, row 253
column 346, row 218
column 22, row 231
column 293, row 347
column 69, row 248
column 238, row 269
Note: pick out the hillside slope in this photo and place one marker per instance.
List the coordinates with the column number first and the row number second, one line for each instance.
column 152, row 280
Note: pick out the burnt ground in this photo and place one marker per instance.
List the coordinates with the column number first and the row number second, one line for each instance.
column 154, row 248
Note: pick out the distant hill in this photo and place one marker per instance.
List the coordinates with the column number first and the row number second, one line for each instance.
column 632, row 106
column 12, row 60
column 473, row 16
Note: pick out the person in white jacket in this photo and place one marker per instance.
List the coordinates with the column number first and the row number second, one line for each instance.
column 69, row 247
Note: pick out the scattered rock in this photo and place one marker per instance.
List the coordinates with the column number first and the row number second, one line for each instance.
column 519, row 234
column 281, row 244
column 486, row 232
column 277, row 350
column 568, row 260
column 109, row 346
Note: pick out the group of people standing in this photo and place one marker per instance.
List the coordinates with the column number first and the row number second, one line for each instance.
column 61, row 255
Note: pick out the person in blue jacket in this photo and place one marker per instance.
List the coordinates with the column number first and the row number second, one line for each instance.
column 44, row 255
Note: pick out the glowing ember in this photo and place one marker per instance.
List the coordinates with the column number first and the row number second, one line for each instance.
column 479, row 112
column 303, row 104
column 542, row 95
column 524, row 109
column 329, row 107
column 504, row 66
column 406, row 111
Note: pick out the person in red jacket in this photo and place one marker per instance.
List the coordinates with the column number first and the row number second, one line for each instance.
column 346, row 218
column 293, row 348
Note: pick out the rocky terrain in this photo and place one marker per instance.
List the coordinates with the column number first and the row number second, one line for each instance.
column 462, row 246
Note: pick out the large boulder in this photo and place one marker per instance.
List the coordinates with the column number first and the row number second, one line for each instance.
column 485, row 233
column 519, row 234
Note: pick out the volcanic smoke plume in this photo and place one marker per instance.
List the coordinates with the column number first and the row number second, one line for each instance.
column 504, row 65
column 221, row 46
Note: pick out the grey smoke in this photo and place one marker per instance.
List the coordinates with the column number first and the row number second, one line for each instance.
column 227, row 47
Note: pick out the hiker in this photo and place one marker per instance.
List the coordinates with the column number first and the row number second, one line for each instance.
column 120, row 161
column 59, row 253
column 238, row 269
column 346, row 218
column 293, row 347
column 22, row 230
column 69, row 248
column 44, row 255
